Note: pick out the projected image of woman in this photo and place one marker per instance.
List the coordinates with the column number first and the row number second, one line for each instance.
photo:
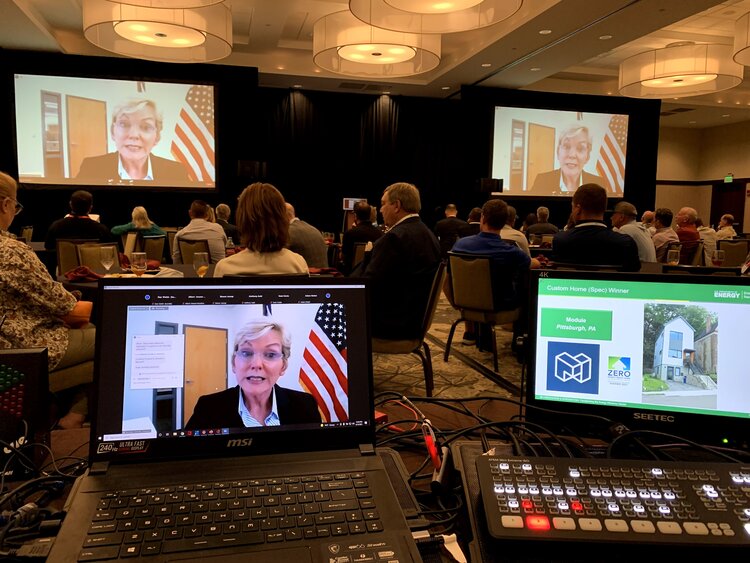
column 261, row 354
column 573, row 152
column 135, row 129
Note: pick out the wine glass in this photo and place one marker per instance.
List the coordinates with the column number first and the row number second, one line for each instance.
column 138, row 263
column 673, row 257
column 200, row 263
column 717, row 257
column 107, row 255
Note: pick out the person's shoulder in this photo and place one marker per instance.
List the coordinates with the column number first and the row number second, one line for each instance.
column 221, row 396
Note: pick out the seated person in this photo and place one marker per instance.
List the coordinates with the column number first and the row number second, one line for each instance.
column 135, row 129
column 201, row 228
column 663, row 233
column 38, row 312
column 590, row 241
column 263, row 227
column 363, row 231
column 140, row 224
column 77, row 224
column 261, row 353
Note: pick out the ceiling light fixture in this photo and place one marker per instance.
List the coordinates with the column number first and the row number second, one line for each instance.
column 345, row 45
column 679, row 70
column 741, row 51
column 433, row 16
column 196, row 31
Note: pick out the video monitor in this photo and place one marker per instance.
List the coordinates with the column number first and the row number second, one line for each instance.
column 663, row 352
column 551, row 152
column 116, row 133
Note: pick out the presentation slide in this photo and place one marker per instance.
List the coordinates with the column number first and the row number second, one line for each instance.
column 643, row 345
column 99, row 132
column 543, row 152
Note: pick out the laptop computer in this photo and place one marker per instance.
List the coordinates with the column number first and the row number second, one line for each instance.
column 174, row 476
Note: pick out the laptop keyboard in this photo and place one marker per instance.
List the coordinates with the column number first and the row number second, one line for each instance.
column 181, row 518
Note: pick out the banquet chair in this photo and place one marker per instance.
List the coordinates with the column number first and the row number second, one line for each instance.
column 483, row 292
column 735, row 251
column 153, row 246
column 190, row 247
column 130, row 243
column 359, row 253
column 691, row 251
column 90, row 254
column 67, row 254
column 26, row 233
column 418, row 345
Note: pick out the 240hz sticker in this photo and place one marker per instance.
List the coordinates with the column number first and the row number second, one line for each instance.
column 124, row 447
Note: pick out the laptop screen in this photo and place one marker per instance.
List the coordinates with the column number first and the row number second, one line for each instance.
column 189, row 366
column 656, row 351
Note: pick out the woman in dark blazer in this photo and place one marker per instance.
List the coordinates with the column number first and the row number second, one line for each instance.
column 261, row 353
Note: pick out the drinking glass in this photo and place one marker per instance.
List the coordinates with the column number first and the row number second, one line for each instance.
column 673, row 257
column 138, row 263
column 200, row 263
column 107, row 254
column 717, row 257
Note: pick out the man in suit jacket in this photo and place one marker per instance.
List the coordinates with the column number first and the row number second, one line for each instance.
column 77, row 224
column 223, row 213
column 401, row 265
column 306, row 240
column 573, row 152
column 363, row 231
column 219, row 410
column 449, row 229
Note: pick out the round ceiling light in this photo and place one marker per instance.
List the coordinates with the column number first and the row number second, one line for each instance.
column 435, row 16
column 159, row 34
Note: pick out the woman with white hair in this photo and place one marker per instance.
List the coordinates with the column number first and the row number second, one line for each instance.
column 135, row 129
column 261, row 355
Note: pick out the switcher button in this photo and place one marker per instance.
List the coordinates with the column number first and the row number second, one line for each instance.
column 616, row 525
column 642, row 526
column 537, row 523
column 511, row 522
column 696, row 528
column 564, row 523
column 590, row 524
column 669, row 527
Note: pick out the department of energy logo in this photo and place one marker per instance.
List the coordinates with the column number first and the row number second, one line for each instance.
column 573, row 367
column 618, row 370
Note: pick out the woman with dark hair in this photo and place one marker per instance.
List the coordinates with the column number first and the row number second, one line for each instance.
column 263, row 227
column 528, row 221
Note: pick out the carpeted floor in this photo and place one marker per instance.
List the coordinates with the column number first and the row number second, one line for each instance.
column 454, row 378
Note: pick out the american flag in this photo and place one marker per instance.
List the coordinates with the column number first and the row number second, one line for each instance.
column 611, row 161
column 323, row 370
column 193, row 143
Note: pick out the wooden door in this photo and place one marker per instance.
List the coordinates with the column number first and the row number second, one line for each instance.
column 205, row 364
column 87, row 130
column 541, row 152
column 517, row 155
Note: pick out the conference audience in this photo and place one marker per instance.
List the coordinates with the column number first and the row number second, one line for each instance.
column 306, row 240
column 663, row 233
column 401, row 265
column 263, row 227
column 542, row 225
column 135, row 129
column 260, row 358
column 77, row 224
column 590, row 241
column 140, row 224
column 200, row 228
column 647, row 220
column 514, row 235
column 449, row 229
column 363, row 231
column 573, row 152
column 624, row 221
column 37, row 311
column 726, row 230
column 223, row 214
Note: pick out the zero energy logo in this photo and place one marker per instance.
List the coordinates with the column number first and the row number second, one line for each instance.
column 618, row 370
column 573, row 367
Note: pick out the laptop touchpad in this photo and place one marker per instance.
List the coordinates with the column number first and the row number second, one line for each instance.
column 298, row 555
